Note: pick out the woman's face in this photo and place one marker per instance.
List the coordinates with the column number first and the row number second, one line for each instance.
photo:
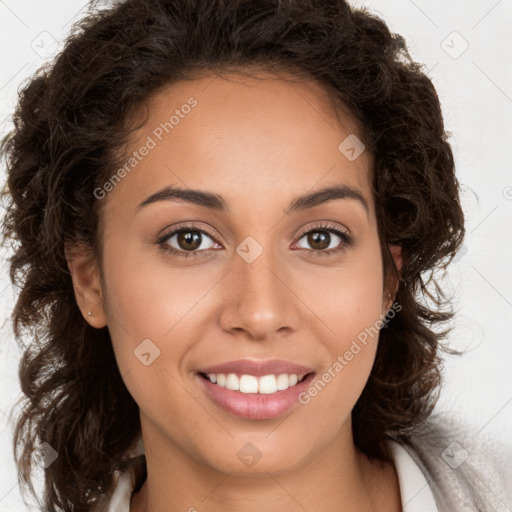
column 266, row 277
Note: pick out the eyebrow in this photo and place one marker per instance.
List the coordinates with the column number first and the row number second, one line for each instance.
column 216, row 202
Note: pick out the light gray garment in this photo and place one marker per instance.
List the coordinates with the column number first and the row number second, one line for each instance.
column 466, row 473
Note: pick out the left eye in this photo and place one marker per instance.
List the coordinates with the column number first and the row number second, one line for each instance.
column 320, row 239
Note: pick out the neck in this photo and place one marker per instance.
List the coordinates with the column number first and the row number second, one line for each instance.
column 338, row 477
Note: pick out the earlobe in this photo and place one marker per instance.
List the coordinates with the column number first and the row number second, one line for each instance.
column 86, row 284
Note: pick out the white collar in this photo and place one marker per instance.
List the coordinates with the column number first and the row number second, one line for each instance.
column 415, row 491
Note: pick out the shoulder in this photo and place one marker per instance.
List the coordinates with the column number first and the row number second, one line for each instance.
column 466, row 471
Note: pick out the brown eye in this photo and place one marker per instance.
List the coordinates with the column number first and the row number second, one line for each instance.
column 325, row 240
column 189, row 240
column 319, row 240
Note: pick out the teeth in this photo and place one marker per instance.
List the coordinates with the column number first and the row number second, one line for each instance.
column 267, row 384
column 247, row 384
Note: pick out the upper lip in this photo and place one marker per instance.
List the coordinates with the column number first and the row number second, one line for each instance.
column 258, row 368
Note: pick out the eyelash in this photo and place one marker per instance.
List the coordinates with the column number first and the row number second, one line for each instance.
column 347, row 240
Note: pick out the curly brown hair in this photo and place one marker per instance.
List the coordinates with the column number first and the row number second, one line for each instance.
column 73, row 117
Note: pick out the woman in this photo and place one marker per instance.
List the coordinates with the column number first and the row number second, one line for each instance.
column 227, row 216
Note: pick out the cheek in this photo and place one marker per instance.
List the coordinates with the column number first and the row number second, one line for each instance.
column 349, row 297
column 348, row 303
column 157, row 313
column 151, row 317
column 349, row 354
column 148, row 294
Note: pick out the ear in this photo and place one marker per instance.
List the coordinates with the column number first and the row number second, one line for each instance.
column 85, row 276
column 396, row 252
column 392, row 288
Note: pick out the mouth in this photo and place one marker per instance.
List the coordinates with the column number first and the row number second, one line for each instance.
column 254, row 398
column 264, row 385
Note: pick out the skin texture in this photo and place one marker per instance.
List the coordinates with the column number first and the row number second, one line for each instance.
column 259, row 144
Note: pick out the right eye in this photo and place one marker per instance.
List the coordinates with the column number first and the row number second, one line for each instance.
column 185, row 241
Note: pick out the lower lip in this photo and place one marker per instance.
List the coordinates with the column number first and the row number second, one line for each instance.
column 255, row 406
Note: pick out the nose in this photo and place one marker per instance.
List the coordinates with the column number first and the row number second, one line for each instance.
column 259, row 298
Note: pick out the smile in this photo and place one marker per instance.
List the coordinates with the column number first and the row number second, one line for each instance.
column 266, row 384
column 254, row 398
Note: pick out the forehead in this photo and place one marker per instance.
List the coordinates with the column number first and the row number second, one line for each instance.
column 235, row 134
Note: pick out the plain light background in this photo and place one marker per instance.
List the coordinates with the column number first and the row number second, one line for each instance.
column 466, row 49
